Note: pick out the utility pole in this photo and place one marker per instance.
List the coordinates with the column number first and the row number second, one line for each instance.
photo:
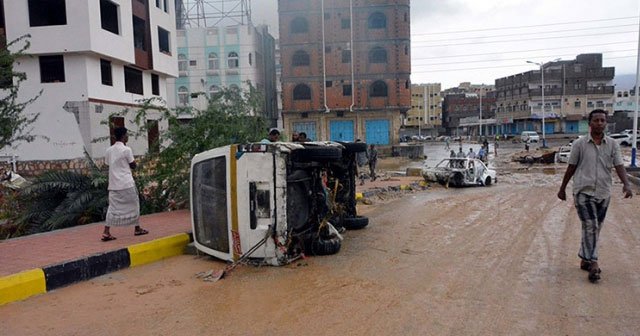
column 480, row 124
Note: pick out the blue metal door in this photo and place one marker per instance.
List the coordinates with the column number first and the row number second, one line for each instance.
column 341, row 130
column 377, row 131
column 307, row 127
column 549, row 128
column 572, row 127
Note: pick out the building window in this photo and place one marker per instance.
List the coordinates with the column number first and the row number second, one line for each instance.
column 193, row 63
column 250, row 59
column 166, row 6
column 577, row 104
column 133, row 80
column 105, row 72
column 183, row 96
column 406, row 50
column 163, row 41
column 302, row 92
column 47, row 13
column 182, row 62
column 378, row 89
column 346, row 56
column 378, row 55
column 109, row 16
column 377, row 20
column 328, row 83
column 155, row 84
column 346, row 90
column 345, row 23
column 300, row 58
column 214, row 63
column 213, row 90
column 299, row 25
column 232, row 60
column 138, row 33
column 52, row 69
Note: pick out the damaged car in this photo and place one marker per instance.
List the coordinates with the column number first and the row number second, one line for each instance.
column 274, row 202
column 460, row 172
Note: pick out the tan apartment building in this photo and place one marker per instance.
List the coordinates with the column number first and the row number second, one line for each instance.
column 425, row 115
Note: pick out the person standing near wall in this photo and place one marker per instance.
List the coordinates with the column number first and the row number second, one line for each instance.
column 124, row 203
column 590, row 162
column 373, row 160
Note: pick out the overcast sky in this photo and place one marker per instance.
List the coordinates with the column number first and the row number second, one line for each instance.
column 449, row 37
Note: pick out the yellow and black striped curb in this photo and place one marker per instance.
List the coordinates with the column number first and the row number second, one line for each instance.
column 25, row 284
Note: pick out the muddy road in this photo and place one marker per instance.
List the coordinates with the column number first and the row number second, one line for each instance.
column 500, row 260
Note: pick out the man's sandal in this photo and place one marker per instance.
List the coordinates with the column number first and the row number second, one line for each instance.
column 140, row 232
column 107, row 237
column 594, row 272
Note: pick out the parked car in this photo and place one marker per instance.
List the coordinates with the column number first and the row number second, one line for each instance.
column 563, row 154
column 532, row 136
column 622, row 139
column 460, row 172
column 273, row 202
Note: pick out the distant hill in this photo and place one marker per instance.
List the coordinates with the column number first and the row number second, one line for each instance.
column 624, row 81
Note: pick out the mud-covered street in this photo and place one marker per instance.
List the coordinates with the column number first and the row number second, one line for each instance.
column 498, row 260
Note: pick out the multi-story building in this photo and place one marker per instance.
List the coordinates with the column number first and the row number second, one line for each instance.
column 624, row 108
column 461, row 113
column 425, row 115
column 345, row 68
column 232, row 56
column 90, row 59
column 571, row 90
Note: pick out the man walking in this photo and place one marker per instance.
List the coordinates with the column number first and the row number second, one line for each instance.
column 373, row 160
column 124, row 204
column 590, row 162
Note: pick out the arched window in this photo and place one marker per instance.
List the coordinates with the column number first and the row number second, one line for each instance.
column 214, row 63
column 232, row 60
column 377, row 20
column 378, row 89
column 213, row 89
column 302, row 92
column 378, row 55
column 183, row 96
column 300, row 58
column 299, row 25
column 182, row 62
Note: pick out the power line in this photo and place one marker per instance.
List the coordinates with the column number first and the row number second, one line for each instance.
column 497, row 66
column 521, row 51
column 531, row 26
column 521, row 34
column 514, row 59
column 527, row 39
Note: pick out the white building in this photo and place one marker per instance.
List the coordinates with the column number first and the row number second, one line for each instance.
column 211, row 58
column 90, row 58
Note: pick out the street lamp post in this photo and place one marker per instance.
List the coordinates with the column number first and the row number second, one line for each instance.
column 541, row 64
column 480, row 124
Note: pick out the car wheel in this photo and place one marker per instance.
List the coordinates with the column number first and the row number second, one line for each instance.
column 354, row 147
column 317, row 154
column 355, row 223
column 487, row 181
column 314, row 245
column 624, row 143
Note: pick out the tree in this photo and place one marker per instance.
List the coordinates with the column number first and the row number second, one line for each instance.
column 163, row 179
column 59, row 199
column 14, row 124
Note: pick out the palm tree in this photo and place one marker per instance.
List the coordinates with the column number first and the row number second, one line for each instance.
column 59, row 199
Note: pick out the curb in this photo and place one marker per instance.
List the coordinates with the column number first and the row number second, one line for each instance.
column 25, row 284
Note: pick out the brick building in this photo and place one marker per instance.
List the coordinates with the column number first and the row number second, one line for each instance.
column 461, row 112
column 345, row 68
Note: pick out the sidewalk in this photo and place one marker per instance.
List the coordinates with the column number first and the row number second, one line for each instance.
column 38, row 263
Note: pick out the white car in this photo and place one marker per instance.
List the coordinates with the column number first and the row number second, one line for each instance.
column 622, row 139
column 563, row 154
column 532, row 136
column 460, row 172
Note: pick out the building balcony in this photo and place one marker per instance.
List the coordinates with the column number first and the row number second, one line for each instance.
column 600, row 90
column 547, row 92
